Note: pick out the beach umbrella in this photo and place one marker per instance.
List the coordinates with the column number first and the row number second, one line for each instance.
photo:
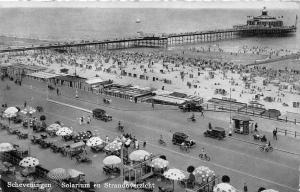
column 203, row 172
column 269, row 190
column 175, row 175
column 159, row 163
column 73, row 173
column 5, row 147
column 28, row 110
column 64, row 131
column 138, row 155
column 58, row 174
column 113, row 146
column 111, row 160
column 11, row 110
column 94, row 141
column 224, row 187
column 53, row 127
column 29, row 162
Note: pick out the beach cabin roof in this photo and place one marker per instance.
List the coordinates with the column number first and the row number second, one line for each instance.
column 95, row 80
column 28, row 67
column 70, row 78
column 241, row 118
column 169, row 99
column 43, row 75
column 177, row 94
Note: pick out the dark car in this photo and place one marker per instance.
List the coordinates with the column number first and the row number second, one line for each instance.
column 101, row 115
column 216, row 132
column 191, row 107
column 179, row 138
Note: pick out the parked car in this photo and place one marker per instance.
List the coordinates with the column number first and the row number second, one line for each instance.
column 101, row 115
column 191, row 107
column 216, row 132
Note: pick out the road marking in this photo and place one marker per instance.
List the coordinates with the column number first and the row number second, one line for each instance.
column 189, row 156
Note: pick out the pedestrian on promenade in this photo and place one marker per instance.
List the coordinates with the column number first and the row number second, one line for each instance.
column 81, row 121
column 136, row 144
column 57, row 91
column 144, row 144
column 88, row 121
column 25, row 104
column 255, row 127
column 153, row 105
column 275, row 134
column 245, row 187
column 202, row 113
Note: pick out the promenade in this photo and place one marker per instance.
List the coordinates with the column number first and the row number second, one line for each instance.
column 237, row 157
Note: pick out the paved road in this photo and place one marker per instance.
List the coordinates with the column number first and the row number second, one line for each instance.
column 242, row 161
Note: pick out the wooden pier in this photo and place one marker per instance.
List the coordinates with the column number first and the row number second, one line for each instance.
column 160, row 41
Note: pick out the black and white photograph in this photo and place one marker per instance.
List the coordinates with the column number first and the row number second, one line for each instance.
column 149, row 96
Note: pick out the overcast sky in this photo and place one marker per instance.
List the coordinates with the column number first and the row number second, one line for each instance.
column 147, row 4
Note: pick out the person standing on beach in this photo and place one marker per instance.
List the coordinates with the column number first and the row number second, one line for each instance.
column 245, row 187
column 25, row 104
column 275, row 134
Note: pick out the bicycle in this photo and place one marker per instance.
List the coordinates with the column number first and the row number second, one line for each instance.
column 204, row 157
column 266, row 149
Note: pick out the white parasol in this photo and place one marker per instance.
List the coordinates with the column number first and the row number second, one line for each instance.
column 64, row 131
column 94, row 141
column 175, row 175
column 138, row 155
column 159, row 163
column 224, row 187
column 9, row 115
column 5, row 147
column 11, row 110
column 28, row 110
column 58, row 174
column 269, row 190
column 53, row 127
column 73, row 173
column 29, row 162
column 112, row 160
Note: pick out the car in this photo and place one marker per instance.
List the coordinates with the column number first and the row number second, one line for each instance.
column 216, row 132
column 101, row 115
column 179, row 138
column 191, row 107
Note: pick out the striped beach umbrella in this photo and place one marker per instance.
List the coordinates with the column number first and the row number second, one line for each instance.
column 5, row 147
column 29, row 162
column 94, row 141
column 58, row 174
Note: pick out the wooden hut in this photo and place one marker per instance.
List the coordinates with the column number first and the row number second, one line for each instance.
column 241, row 124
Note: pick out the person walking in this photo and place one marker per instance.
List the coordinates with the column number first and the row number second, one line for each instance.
column 144, row 144
column 255, row 127
column 57, row 91
column 25, row 104
column 275, row 134
column 245, row 187
column 88, row 121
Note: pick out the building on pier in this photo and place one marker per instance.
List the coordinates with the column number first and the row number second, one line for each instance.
column 265, row 24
